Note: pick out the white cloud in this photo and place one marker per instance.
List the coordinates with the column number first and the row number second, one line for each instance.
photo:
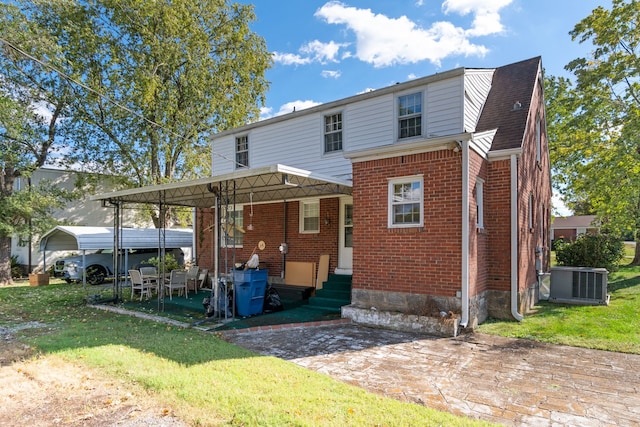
column 330, row 74
column 486, row 14
column 290, row 59
column 322, row 52
column 314, row 51
column 384, row 41
column 289, row 107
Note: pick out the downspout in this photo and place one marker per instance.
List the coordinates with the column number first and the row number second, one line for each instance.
column 514, row 239
column 465, row 235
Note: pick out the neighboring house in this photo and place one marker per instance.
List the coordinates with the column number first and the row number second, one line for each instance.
column 434, row 194
column 77, row 212
column 570, row 227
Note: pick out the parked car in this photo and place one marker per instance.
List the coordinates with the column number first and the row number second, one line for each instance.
column 100, row 264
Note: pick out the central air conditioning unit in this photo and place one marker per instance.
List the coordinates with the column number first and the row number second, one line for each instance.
column 579, row 285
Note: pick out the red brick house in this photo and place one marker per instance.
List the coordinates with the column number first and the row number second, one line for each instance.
column 570, row 227
column 434, row 194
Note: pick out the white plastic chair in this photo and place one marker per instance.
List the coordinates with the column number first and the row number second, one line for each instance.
column 177, row 280
column 139, row 284
column 192, row 277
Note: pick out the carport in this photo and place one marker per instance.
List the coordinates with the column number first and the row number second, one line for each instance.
column 82, row 238
column 275, row 183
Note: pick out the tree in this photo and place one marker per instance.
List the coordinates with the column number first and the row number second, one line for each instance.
column 594, row 125
column 27, row 138
column 166, row 75
column 131, row 88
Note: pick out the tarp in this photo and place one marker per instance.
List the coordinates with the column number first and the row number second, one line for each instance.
column 71, row 238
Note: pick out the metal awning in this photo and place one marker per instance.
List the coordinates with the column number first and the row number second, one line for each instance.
column 270, row 183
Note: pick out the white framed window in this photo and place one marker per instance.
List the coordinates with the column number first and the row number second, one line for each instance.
column 310, row 216
column 232, row 234
column 406, row 202
column 530, row 213
column 333, row 133
column 538, row 138
column 479, row 203
column 242, row 152
column 410, row 115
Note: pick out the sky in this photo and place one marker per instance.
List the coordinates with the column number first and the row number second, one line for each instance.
column 328, row 50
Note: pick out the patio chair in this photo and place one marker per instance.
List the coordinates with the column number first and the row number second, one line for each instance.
column 139, row 284
column 177, row 280
column 150, row 275
column 192, row 278
column 202, row 277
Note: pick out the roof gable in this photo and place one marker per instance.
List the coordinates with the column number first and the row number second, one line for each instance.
column 512, row 84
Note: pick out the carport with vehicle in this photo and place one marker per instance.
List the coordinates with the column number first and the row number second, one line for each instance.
column 96, row 247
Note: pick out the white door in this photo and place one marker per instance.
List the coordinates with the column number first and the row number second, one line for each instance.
column 345, row 245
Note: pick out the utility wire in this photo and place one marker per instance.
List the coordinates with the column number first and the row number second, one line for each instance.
column 101, row 95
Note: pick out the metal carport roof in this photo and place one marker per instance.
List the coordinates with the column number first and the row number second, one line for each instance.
column 70, row 238
column 269, row 183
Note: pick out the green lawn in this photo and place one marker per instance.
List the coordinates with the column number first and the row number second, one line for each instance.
column 206, row 380
column 615, row 327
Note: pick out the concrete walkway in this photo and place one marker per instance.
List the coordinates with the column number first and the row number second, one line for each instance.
column 508, row 381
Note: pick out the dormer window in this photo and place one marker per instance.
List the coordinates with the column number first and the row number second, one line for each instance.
column 409, row 115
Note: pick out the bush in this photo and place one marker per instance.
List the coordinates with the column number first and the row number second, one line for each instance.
column 597, row 251
column 170, row 263
column 16, row 269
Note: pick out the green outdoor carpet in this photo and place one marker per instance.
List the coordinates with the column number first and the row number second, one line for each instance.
column 191, row 310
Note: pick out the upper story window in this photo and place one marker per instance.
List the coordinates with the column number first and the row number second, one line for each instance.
column 242, row 152
column 310, row 216
column 410, row 115
column 406, row 197
column 333, row 132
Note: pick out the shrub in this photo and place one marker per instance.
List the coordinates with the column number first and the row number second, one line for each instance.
column 170, row 263
column 16, row 269
column 597, row 251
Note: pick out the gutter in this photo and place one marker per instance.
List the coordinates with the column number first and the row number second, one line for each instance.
column 465, row 234
column 514, row 239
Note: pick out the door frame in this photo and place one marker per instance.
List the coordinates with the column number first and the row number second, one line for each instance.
column 345, row 254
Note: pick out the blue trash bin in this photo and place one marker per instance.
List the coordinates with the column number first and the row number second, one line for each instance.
column 249, row 288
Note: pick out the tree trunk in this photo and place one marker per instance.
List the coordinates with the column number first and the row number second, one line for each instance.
column 636, row 254
column 5, row 261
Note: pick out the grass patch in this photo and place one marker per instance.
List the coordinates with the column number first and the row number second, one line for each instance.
column 205, row 379
column 615, row 327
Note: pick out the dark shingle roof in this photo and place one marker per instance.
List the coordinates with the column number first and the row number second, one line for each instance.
column 511, row 83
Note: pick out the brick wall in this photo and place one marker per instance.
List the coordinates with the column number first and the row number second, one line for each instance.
column 498, row 221
column 415, row 260
column 269, row 226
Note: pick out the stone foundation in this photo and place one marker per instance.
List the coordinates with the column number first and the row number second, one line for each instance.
column 438, row 326
column 432, row 314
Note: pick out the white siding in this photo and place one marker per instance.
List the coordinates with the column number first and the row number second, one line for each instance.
column 368, row 121
column 298, row 142
column 477, row 84
column 481, row 142
column 444, row 108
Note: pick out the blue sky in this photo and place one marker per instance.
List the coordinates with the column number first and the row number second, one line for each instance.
column 328, row 50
